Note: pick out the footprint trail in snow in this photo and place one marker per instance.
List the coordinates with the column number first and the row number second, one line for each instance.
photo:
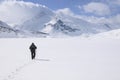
column 12, row 75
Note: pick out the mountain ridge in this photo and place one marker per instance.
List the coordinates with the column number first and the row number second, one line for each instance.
column 44, row 22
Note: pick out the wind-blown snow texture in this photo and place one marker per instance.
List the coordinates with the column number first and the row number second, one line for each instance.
column 35, row 20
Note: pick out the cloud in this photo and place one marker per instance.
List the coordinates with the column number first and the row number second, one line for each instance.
column 79, row 7
column 114, row 2
column 2, row 0
column 65, row 11
column 117, row 2
column 10, row 0
column 97, row 8
column 113, row 21
column 16, row 12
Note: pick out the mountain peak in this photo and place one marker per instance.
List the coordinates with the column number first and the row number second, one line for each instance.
column 17, row 12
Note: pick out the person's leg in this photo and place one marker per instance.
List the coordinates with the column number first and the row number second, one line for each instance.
column 32, row 55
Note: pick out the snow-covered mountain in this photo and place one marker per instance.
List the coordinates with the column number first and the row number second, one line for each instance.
column 7, row 31
column 58, row 25
column 73, row 26
column 109, row 34
column 35, row 20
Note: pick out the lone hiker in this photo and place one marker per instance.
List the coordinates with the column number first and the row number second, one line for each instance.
column 33, row 50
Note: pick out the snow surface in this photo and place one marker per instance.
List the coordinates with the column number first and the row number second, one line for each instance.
column 110, row 34
column 67, row 59
column 15, row 12
column 6, row 31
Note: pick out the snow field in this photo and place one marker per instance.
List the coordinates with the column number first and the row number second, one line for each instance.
column 70, row 59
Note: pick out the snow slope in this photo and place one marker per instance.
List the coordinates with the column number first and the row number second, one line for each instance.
column 7, row 31
column 69, row 25
column 37, row 22
column 57, row 24
column 15, row 12
column 110, row 34
column 68, row 59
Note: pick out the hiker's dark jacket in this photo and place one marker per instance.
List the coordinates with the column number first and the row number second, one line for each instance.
column 33, row 48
